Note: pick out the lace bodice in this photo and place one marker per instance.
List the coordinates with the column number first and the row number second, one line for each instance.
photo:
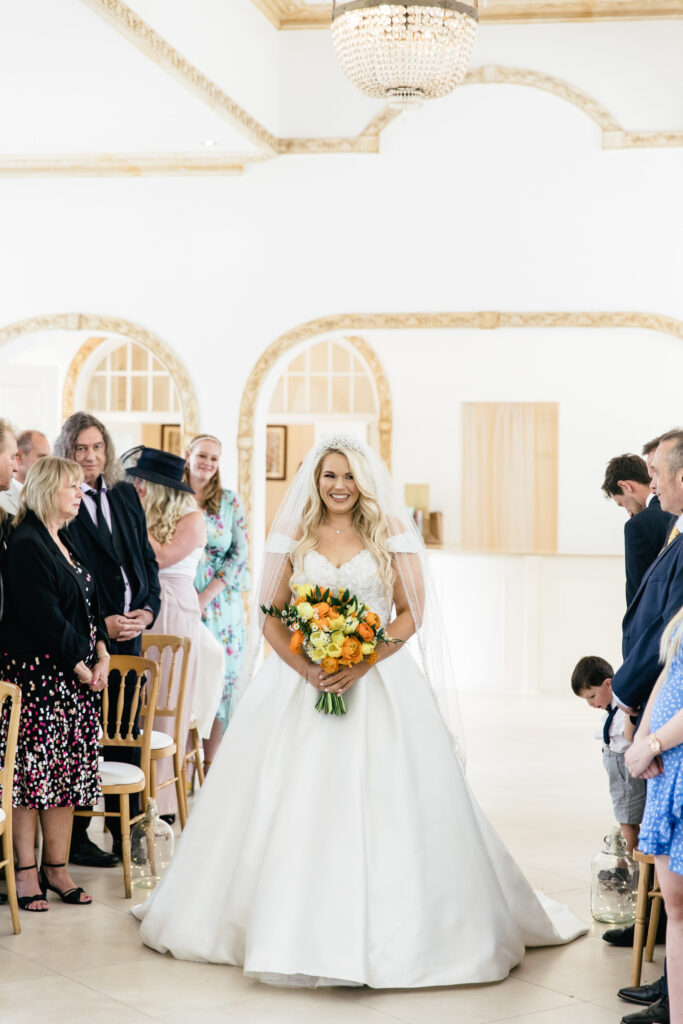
column 359, row 575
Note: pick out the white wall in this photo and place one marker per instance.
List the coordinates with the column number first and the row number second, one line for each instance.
column 496, row 198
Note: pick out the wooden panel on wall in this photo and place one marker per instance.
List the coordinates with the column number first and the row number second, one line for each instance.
column 510, row 476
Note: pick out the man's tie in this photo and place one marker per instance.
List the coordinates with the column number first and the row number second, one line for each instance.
column 608, row 722
column 102, row 524
column 672, row 536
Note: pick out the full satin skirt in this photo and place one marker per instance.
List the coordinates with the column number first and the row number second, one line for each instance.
column 346, row 850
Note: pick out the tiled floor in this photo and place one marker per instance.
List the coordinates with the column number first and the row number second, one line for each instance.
column 537, row 772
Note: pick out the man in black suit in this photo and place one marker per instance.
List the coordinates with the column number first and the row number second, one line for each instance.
column 627, row 483
column 110, row 532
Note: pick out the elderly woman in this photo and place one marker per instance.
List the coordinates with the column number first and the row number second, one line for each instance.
column 52, row 645
column 177, row 535
column 223, row 572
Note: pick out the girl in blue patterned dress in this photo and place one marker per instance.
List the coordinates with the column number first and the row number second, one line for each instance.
column 657, row 755
column 223, row 572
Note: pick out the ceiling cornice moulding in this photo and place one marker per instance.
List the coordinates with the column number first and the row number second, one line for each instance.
column 296, row 14
column 118, row 165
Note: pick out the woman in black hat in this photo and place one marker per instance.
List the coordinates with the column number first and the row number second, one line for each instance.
column 178, row 535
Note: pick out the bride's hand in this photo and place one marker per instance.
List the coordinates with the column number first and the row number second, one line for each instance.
column 344, row 679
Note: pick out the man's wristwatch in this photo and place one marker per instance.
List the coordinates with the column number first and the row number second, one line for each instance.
column 655, row 744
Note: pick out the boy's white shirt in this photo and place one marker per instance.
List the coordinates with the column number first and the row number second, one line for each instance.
column 617, row 741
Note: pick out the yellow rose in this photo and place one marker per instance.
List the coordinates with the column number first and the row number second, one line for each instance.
column 367, row 649
column 318, row 639
column 317, row 654
column 351, row 625
column 305, row 611
column 337, row 623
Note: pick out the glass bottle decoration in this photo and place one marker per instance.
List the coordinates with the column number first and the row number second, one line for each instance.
column 151, row 848
column 614, row 882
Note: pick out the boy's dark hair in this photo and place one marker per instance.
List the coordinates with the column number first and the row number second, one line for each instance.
column 624, row 467
column 590, row 671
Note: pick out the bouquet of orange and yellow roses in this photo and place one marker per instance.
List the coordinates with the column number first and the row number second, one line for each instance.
column 334, row 629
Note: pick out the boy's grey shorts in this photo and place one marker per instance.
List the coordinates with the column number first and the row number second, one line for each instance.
column 628, row 794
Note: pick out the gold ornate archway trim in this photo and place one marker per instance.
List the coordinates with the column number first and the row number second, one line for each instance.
column 484, row 320
column 111, row 325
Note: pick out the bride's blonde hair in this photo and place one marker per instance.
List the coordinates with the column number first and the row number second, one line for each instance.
column 164, row 508
column 367, row 519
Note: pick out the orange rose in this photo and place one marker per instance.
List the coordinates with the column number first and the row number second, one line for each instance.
column 300, row 600
column 330, row 665
column 373, row 620
column 372, row 658
column 321, row 609
column 296, row 641
column 351, row 653
column 365, row 632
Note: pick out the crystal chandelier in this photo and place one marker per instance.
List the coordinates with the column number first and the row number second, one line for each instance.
column 404, row 52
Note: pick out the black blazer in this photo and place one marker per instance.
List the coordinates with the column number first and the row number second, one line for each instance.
column 644, row 537
column 45, row 610
column 142, row 568
column 659, row 597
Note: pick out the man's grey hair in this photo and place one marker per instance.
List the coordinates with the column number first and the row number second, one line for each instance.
column 25, row 441
column 674, row 457
column 65, row 445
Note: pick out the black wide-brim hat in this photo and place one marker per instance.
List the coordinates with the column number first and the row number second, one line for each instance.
column 160, row 468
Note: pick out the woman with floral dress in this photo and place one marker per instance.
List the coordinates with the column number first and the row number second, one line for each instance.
column 657, row 755
column 53, row 646
column 223, row 571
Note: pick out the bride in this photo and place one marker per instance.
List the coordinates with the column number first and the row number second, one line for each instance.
column 329, row 850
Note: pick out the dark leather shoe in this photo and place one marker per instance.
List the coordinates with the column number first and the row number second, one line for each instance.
column 624, row 936
column 658, row 1013
column 619, row 936
column 643, row 994
column 90, row 856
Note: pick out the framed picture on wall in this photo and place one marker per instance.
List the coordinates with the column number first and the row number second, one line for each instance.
column 276, row 453
column 171, row 438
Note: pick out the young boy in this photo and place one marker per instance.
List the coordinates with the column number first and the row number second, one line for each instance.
column 592, row 680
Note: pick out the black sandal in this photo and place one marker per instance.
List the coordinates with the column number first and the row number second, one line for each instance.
column 72, row 896
column 25, row 901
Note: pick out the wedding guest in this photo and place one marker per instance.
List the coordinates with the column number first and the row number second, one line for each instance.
column 223, row 572
column 177, row 535
column 53, row 645
column 8, row 457
column 111, row 532
column 592, row 680
column 657, row 755
column 627, row 483
column 32, row 445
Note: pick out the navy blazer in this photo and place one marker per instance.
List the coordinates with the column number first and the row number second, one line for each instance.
column 125, row 507
column 659, row 597
column 644, row 537
column 45, row 609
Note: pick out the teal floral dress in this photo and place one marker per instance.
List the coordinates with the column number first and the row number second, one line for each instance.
column 225, row 557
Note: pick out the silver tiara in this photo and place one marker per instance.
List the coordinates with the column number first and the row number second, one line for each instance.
column 342, row 441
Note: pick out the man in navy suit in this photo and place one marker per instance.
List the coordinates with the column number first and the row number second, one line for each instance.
column 110, row 533
column 660, row 594
column 627, row 483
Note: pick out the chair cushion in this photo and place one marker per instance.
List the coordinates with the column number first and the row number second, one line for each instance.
column 117, row 773
column 159, row 739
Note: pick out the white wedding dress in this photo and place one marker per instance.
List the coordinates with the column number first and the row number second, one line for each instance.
column 328, row 850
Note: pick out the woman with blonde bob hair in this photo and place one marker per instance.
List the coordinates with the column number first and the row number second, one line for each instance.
column 177, row 534
column 53, row 644
column 657, row 755
column 351, row 850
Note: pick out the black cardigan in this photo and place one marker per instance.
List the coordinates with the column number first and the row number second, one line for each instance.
column 45, row 610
